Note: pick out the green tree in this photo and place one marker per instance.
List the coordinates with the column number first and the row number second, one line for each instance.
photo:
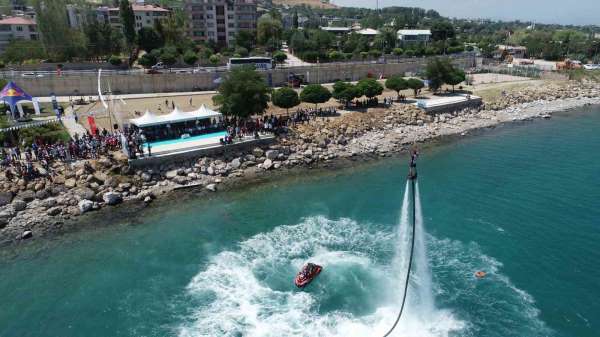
column 415, row 84
column 438, row 71
column 396, row 83
column 315, row 94
column 214, row 59
column 18, row 51
column 375, row 53
column 336, row 56
column 147, row 60
column 442, row 31
column 245, row 39
column 115, row 60
column 190, row 57
column 397, row 51
column 279, row 56
column 60, row 42
column 243, row 93
column 168, row 56
column 369, row 87
column 285, row 98
column 269, row 31
column 148, row 39
column 455, row 77
column 127, row 22
column 345, row 92
column 243, row 52
column 102, row 39
column 295, row 20
column 172, row 29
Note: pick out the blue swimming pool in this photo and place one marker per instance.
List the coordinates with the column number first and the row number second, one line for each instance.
column 183, row 140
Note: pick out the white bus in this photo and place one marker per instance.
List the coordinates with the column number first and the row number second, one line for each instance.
column 259, row 63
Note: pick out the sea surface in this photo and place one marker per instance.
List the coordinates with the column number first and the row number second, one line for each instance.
column 520, row 202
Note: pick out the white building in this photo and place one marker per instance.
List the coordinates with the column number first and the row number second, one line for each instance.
column 145, row 15
column 337, row 30
column 410, row 36
column 17, row 28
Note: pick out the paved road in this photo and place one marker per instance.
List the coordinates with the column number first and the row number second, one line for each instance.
column 69, row 122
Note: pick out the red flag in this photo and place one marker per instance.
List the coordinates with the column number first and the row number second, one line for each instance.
column 92, row 124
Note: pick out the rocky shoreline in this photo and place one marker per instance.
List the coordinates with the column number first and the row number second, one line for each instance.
column 55, row 201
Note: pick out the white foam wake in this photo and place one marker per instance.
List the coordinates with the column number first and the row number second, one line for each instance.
column 249, row 291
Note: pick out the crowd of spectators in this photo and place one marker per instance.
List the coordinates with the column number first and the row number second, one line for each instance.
column 19, row 160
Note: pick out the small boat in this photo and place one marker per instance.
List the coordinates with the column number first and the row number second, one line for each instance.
column 480, row 274
column 307, row 274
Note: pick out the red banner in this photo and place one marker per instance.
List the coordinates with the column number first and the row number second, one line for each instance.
column 92, row 124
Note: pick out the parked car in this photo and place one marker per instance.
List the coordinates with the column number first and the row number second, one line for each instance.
column 591, row 66
column 159, row 65
column 31, row 75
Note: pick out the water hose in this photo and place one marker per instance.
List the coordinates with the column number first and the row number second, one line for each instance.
column 412, row 248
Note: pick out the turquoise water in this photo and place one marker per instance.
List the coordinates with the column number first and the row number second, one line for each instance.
column 183, row 140
column 520, row 202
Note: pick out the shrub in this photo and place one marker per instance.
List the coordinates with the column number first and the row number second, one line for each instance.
column 115, row 60
column 397, row 51
column 190, row 57
column 375, row 53
column 214, row 59
column 279, row 57
column 243, row 52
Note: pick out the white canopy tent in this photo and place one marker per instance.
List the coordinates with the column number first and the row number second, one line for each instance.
column 175, row 116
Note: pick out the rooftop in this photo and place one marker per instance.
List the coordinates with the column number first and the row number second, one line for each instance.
column 505, row 47
column 368, row 31
column 414, row 32
column 17, row 20
column 336, row 29
column 136, row 8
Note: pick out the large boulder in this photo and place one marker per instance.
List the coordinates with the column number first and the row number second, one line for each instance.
column 5, row 217
column 267, row 164
column 5, row 198
column 146, row 177
column 258, row 152
column 19, row 205
column 85, row 205
column 48, row 203
column 27, row 195
column 272, row 154
column 42, row 194
column 236, row 163
column 70, row 183
column 84, row 193
column 112, row 198
column 54, row 211
column 180, row 180
column 171, row 174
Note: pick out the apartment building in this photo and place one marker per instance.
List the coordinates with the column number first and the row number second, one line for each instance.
column 17, row 27
column 220, row 20
column 145, row 15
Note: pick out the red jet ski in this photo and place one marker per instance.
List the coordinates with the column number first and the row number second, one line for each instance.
column 307, row 274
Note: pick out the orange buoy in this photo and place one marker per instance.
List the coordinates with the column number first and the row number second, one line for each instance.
column 480, row 274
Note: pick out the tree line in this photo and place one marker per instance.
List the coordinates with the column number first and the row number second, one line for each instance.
column 244, row 92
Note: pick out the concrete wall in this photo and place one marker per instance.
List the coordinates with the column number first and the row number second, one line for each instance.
column 199, row 152
column 172, row 82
